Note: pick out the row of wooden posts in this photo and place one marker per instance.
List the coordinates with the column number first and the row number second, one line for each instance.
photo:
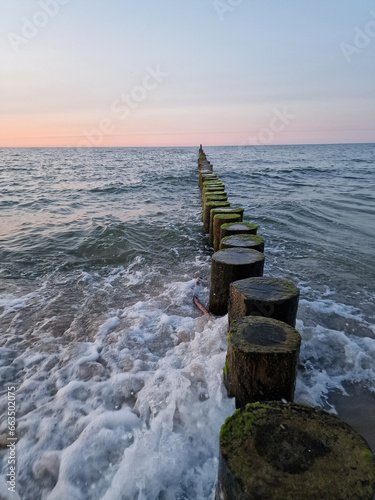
column 271, row 447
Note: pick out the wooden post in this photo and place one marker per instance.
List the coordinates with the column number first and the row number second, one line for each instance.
column 231, row 265
column 269, row 297
column 204, row 176
column 262, row 359
column 207, row 196
column 204, row 164
column 213, row 198
column 220, row 196
column 277, row 451
column 238, row 228
column 220, row 219
column 208, row 207
column 231, row 210
column 212, row 183
column 243, row 241
column 208, row 189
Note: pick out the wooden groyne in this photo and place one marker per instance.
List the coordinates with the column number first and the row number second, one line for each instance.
column 271, row 447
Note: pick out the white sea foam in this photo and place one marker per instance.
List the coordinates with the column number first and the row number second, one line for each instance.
column 136, row 412
column 328, row 306
column 331, row 358
column 11, row 303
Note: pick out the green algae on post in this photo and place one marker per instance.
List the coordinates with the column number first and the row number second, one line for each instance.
column 231, row 210
column 214, row 197
column 210, row 198
column 204, row 177
column 287, row 451
column 208, row 207
column 262, row 360
column 238, row 228
column 243, row 241
column 264, row 296
column 209, row 189
column 220, row 219
column 212, row 183
column 208, row 194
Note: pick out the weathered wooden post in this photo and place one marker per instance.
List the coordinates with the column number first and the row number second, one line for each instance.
column 206, row 176
column 208, row 207
column 203, row 164
column 208, row 189
column 231, row 265
column 229, row 210
column 218, row 221
column 277, row 451
column 264, row 296
column 238, row 228
column 215, row 196
column 262, row 359
column 217, row 185
column 209, row 196
column 243, row 241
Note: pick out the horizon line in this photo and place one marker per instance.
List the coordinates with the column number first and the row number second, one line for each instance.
column 192, row 146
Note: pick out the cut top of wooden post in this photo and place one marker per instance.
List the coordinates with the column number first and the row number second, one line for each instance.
column 238, row 228
column 264, row 296
column 243, row 240
column 292, row 451
column 263, row 335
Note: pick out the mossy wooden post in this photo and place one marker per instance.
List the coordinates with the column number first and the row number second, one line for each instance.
column 238, row 228
column 220, row 219
column 243, row 241
column 209, row 196
column 208, row 189
column 269, row 297
column 206, row 168
column 206, row 176
column 277, row 451
column 231, row 265
column 207, row 208
column 262, row 359
column 213, row 198
column 217, row 184
column 203, row 164
column 221, row 196
column 231, row 210
column 212, row 183
column 206, row 171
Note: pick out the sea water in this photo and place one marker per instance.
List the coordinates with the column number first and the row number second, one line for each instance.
column 118, row 377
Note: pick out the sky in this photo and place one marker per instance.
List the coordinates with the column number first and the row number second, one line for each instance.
column 88, row 73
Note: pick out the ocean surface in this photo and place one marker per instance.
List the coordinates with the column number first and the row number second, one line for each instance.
column 118, row 377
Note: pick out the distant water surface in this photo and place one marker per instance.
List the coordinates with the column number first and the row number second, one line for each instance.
column 118, row 376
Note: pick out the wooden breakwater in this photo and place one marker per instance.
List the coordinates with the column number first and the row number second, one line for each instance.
column 270, row 448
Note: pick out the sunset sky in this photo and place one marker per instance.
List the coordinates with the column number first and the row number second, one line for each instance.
column 180, row 73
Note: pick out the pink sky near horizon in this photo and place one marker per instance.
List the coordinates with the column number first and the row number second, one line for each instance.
column 34, row 134
column 155, row 126
column 226, row 79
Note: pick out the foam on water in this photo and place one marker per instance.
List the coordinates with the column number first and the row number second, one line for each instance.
column 331, row 358
column 10, row 303
column 135, row 413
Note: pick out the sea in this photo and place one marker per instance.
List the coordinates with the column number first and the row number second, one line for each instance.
column 116, row 377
